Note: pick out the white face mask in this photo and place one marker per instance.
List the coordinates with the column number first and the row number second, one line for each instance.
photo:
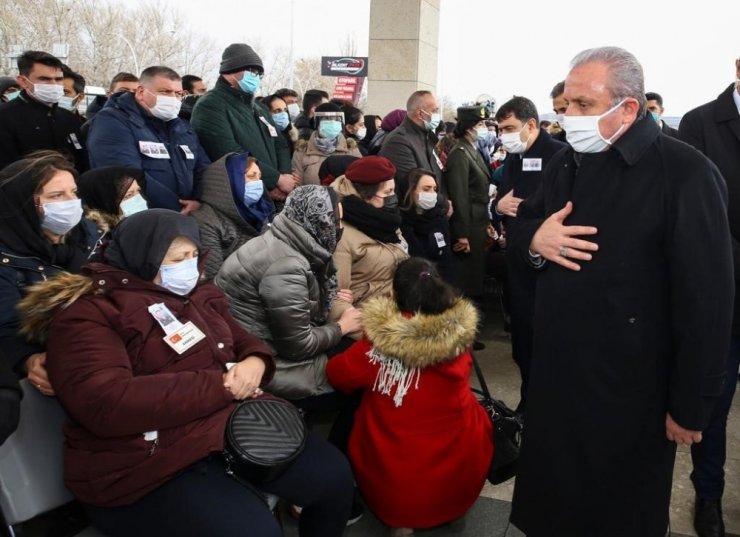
column 583, row 134
column 167, row 108
column 426, row 200
column 294, row 110
column 61, row 216
column 361, row 133
column 513, row 143
column 182, row 277
column 48, row 93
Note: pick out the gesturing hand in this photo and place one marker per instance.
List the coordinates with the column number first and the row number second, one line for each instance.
column 556, row 242
column 509, row 204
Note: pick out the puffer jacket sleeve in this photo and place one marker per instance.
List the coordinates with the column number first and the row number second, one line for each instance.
column 284, row 291
column 15, row 347
column 112, row 142
column 91, row 373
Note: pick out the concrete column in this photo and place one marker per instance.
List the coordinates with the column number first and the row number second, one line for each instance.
column 402, row 55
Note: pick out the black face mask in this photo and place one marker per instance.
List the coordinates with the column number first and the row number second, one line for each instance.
column 390, row 204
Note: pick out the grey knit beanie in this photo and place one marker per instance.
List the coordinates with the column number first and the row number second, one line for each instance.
column 238, row 56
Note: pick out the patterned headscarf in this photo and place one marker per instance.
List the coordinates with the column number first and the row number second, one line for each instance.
column 314, row 208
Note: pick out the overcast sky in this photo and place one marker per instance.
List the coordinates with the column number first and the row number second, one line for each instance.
column 503, row 48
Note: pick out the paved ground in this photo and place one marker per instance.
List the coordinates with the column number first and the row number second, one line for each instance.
column 489, row 516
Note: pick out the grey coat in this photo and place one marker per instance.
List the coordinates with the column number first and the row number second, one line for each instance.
column 275, row 295
column 222, row 229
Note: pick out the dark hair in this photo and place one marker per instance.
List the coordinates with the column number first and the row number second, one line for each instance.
column 521, row 108
column 78, row 81
column 652, row 96
column 342, row 103
column 313, row 97
column 123, row 76
column 158, row 70
column 267, row 101
column 420, row 289
column 352, row 115
column 37, row 169
column 366, row 191
column 413, row 180
column 286, row 92
column 189, row 80
column 558, row 89
column 544, row 124
column 462, row 127
column 30, row 57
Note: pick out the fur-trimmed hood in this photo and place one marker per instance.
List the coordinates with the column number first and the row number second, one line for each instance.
column 420, row 340
column 105, row 222
column 37, row 308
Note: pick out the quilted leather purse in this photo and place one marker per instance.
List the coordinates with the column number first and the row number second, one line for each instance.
column 263, row 436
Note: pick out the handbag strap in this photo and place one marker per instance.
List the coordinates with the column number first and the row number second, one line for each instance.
column 481, row 379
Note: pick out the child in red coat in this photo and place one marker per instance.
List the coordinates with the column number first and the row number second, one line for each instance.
column 421, row 445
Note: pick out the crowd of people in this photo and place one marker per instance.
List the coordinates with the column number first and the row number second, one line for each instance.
column 339, row 260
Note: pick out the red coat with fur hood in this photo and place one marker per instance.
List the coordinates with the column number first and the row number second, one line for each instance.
column 421, row 445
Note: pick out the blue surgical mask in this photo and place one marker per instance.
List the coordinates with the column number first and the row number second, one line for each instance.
column 281, row 119
column 182, row 277
column 61, row 216
column 656, row 116
column 12, row 95
column 330, row 128
column 481, row 133
column 434, row 120
column 135, row 204
column 250, row 83
column 253, row 191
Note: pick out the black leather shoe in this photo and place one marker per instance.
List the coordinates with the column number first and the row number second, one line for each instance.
column 708, row 518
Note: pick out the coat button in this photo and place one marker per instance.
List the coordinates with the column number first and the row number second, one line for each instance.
column 101, row 282
column 6, row 260
column 220, row 345
column 41, row 268
column 124, row 281
column 632, row 320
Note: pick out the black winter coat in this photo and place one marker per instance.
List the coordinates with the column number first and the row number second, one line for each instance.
column 28, row 125
column 714, row 129
column 641, row 331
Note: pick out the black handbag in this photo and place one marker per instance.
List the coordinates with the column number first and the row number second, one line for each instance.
column 263, row 436
column 507, row 432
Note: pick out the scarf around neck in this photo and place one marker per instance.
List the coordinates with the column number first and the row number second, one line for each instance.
column 377, row 224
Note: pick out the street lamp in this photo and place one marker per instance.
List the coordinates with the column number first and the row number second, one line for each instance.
column 133, row 52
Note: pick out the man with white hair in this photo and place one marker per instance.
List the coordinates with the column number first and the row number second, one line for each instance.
column 632, row 315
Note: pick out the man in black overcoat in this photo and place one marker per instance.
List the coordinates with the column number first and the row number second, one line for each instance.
column 632, row 314
column 714, row 129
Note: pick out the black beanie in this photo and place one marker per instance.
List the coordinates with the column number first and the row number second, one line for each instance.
column 237, row 57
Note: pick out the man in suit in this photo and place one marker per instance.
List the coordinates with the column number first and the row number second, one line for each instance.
column 655, row 107
column 714, row 129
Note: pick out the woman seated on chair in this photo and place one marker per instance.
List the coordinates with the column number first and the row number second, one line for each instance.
column 235, row 207
column 146, row 418
column 109, row 194
column 421, row 444
column 42, row 233
column 282, row 285
column 371, row 246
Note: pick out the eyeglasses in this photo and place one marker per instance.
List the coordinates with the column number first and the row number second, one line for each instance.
column 255, row 72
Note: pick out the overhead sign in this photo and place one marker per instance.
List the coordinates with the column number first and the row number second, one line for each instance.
column 344, row 66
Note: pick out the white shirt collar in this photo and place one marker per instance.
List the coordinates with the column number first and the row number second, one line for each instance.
column 736, row 96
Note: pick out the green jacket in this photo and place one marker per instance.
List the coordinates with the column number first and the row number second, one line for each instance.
column 227, row 120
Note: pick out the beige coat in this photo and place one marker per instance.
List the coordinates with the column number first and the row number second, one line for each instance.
column 307, row 158
column 365, row 266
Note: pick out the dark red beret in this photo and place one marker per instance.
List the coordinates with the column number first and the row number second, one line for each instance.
column 370, row 170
